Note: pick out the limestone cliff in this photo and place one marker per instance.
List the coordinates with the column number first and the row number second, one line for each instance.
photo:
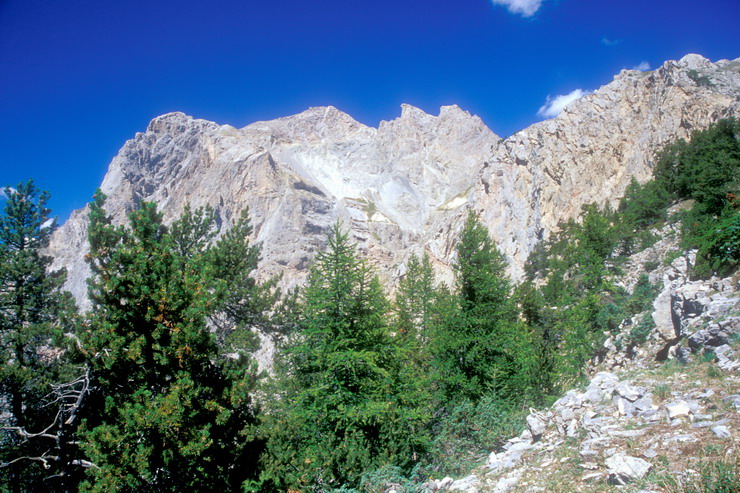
column 403, row 187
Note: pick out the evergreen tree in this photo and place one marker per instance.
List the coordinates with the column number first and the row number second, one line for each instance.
column 415, row 301
column 705, row 169
column 33, row 314
column 242, row 303
column 343, row 406
column 482, row 348
column 167, row 414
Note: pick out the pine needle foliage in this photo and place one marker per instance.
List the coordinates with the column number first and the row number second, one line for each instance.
column 343, row 406
column 482, row 348
column 168, row 414
column 34, row 313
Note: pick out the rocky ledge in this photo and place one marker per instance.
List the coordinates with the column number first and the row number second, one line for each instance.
column 649, row 416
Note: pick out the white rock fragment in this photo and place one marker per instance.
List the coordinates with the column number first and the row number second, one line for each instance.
column 683, row 438
column 592, row 476
column 445, row 483
column 507, row 482
column 678, row 408
column 468, row 484
column 536, row 424
column 721, row 431
column 625, row 468
column 628, row 391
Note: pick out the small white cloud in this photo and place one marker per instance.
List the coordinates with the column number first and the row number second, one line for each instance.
column 553, row 106
column 642, row 66
column 526, row 8
column 3, row 195
column 609, row 42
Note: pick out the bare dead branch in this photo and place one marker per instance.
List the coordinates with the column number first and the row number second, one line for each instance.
column 69, row 397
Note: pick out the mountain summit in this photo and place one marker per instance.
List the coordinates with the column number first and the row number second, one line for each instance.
column 404, row 187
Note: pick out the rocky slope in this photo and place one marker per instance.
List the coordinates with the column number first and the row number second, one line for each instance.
column 653, row 418
column 404, row 186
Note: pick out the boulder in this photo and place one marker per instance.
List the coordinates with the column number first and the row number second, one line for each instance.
column 677, row 408
column 536, row 424
column 468, row 484
column 628, row 391
column 624, row 469
column 721, row 431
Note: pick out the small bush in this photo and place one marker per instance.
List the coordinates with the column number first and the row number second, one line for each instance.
column 640, row 333
column 610, row 317
column 670, row 256
column 701, row 80
column 672, row 366
column 713, row 476
column 647, row 239
column 468, row 432
column 719, row 248
column 642, row 206
column 382, row 480
column 708, row 356
column 650, row 265
column 642, row 296
column 662, row 392
column 714, row 372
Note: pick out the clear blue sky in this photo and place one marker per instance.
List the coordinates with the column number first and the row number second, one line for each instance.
column 78, row 78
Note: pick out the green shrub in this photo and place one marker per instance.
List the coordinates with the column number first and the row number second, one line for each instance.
column 714, row 372
column 642, row 296
column 708, row 356
column 466, row 433
column 719, row 248
column 640, row 333
column 662, row 392
column 713, row 476
column 670, row 256
column 650, row 265
column 646, row 239
column 645, row 205
column 705, row 169
column 701, row 80
column 610, row 317
column 382, row 480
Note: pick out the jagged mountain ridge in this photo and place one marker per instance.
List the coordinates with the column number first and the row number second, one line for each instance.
column 405, row 186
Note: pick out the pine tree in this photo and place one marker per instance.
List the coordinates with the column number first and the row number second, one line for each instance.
column 342, row 407
column 167, row 415
column 482, row 348
column 414, row 304
column 242, row 303
column 34, row 312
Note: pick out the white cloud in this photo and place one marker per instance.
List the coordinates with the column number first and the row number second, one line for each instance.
column 3, row 195
column 526, row 8
column 553, row 106
column 642, row 66
column 609, row 42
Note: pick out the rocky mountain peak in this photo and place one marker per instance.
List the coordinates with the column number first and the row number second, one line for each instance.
column 404, row 187
column 694, row 61
column 169, row 122
column 315, row 123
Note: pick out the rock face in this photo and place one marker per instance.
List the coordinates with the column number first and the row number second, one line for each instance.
column 404, row 187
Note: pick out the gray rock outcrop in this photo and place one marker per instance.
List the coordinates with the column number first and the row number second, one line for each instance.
column 405, row 186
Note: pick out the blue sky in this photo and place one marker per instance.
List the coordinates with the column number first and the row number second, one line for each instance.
column 78, row 78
